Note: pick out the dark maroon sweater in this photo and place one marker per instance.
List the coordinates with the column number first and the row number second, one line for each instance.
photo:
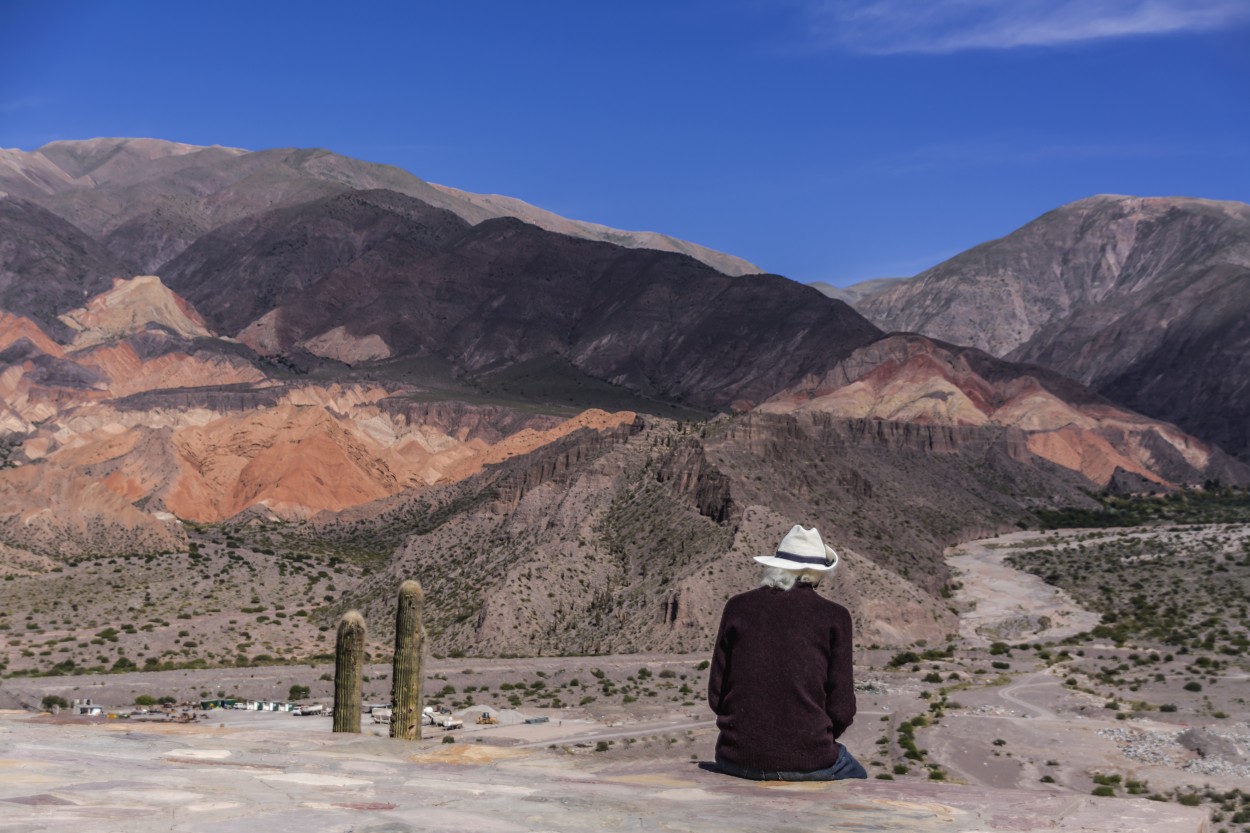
column 781, row 684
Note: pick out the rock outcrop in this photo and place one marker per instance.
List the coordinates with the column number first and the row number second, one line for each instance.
column 131, row 307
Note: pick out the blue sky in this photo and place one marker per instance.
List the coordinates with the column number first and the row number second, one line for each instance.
column 821, row 139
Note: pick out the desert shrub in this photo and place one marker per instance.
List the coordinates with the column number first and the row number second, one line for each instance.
column 904, row 658
column 54, row 700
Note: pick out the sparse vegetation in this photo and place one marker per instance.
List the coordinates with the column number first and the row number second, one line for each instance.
column 1214, row 504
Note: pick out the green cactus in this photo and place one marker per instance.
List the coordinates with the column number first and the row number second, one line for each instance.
column 409, row 662
column 349, row 657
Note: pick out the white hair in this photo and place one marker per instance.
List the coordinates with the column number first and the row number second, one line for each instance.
column 784, row 579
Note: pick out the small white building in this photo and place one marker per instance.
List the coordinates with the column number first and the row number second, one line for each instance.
column 267, row 706
column 86, row 707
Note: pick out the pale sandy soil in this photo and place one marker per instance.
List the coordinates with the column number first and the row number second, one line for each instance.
column 1005, row 604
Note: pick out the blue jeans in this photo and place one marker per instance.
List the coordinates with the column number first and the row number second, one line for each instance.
column 844, row 767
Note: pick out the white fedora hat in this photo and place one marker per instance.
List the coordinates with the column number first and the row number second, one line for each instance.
column 801, row 549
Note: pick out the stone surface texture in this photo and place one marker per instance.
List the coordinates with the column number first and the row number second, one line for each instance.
column 282, row 775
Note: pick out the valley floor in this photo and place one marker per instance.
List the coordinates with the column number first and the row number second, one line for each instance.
column 1039, row 695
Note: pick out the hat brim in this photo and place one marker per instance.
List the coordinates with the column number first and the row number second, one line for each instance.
column 787, row 564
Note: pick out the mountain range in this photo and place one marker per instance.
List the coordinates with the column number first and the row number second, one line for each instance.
column 196, row 337
column 1146, row 300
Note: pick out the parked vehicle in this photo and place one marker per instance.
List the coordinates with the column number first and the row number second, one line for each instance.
column 445, row 720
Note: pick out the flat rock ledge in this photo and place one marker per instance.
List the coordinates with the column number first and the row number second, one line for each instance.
column 128, row 776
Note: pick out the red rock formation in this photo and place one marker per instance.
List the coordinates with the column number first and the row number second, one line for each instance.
column 911, row 381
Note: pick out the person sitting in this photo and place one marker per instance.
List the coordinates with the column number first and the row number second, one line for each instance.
column 781, row 682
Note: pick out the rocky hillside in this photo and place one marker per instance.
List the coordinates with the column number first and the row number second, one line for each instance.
column 1145, row 300
column 377, row 275
column 146, row 200
column 634, row 539
column 576, row 445
column 913, row 380
column 146, row 417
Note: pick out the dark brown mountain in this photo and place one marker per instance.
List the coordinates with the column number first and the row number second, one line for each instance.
column 1145, row 300
column 47, row 265
column 379, row 269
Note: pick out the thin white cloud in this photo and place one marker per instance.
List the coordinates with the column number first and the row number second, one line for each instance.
column 991, row 151
column 886, row 27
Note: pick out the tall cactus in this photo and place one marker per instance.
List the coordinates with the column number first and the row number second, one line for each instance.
column 409, row 663
column 349, row 657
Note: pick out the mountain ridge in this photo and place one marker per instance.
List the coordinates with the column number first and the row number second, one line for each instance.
column 330, row 365
column 1146, row 299
column 322, row 171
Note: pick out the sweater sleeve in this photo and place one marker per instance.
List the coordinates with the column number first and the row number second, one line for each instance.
column 720, row 663
column 840, row 699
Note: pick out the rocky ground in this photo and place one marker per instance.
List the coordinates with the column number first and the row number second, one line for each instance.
column 252, row 771
column 223, row 602
column 1040, row 693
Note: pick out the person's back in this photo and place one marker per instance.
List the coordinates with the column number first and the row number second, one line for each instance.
column 781, row 680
